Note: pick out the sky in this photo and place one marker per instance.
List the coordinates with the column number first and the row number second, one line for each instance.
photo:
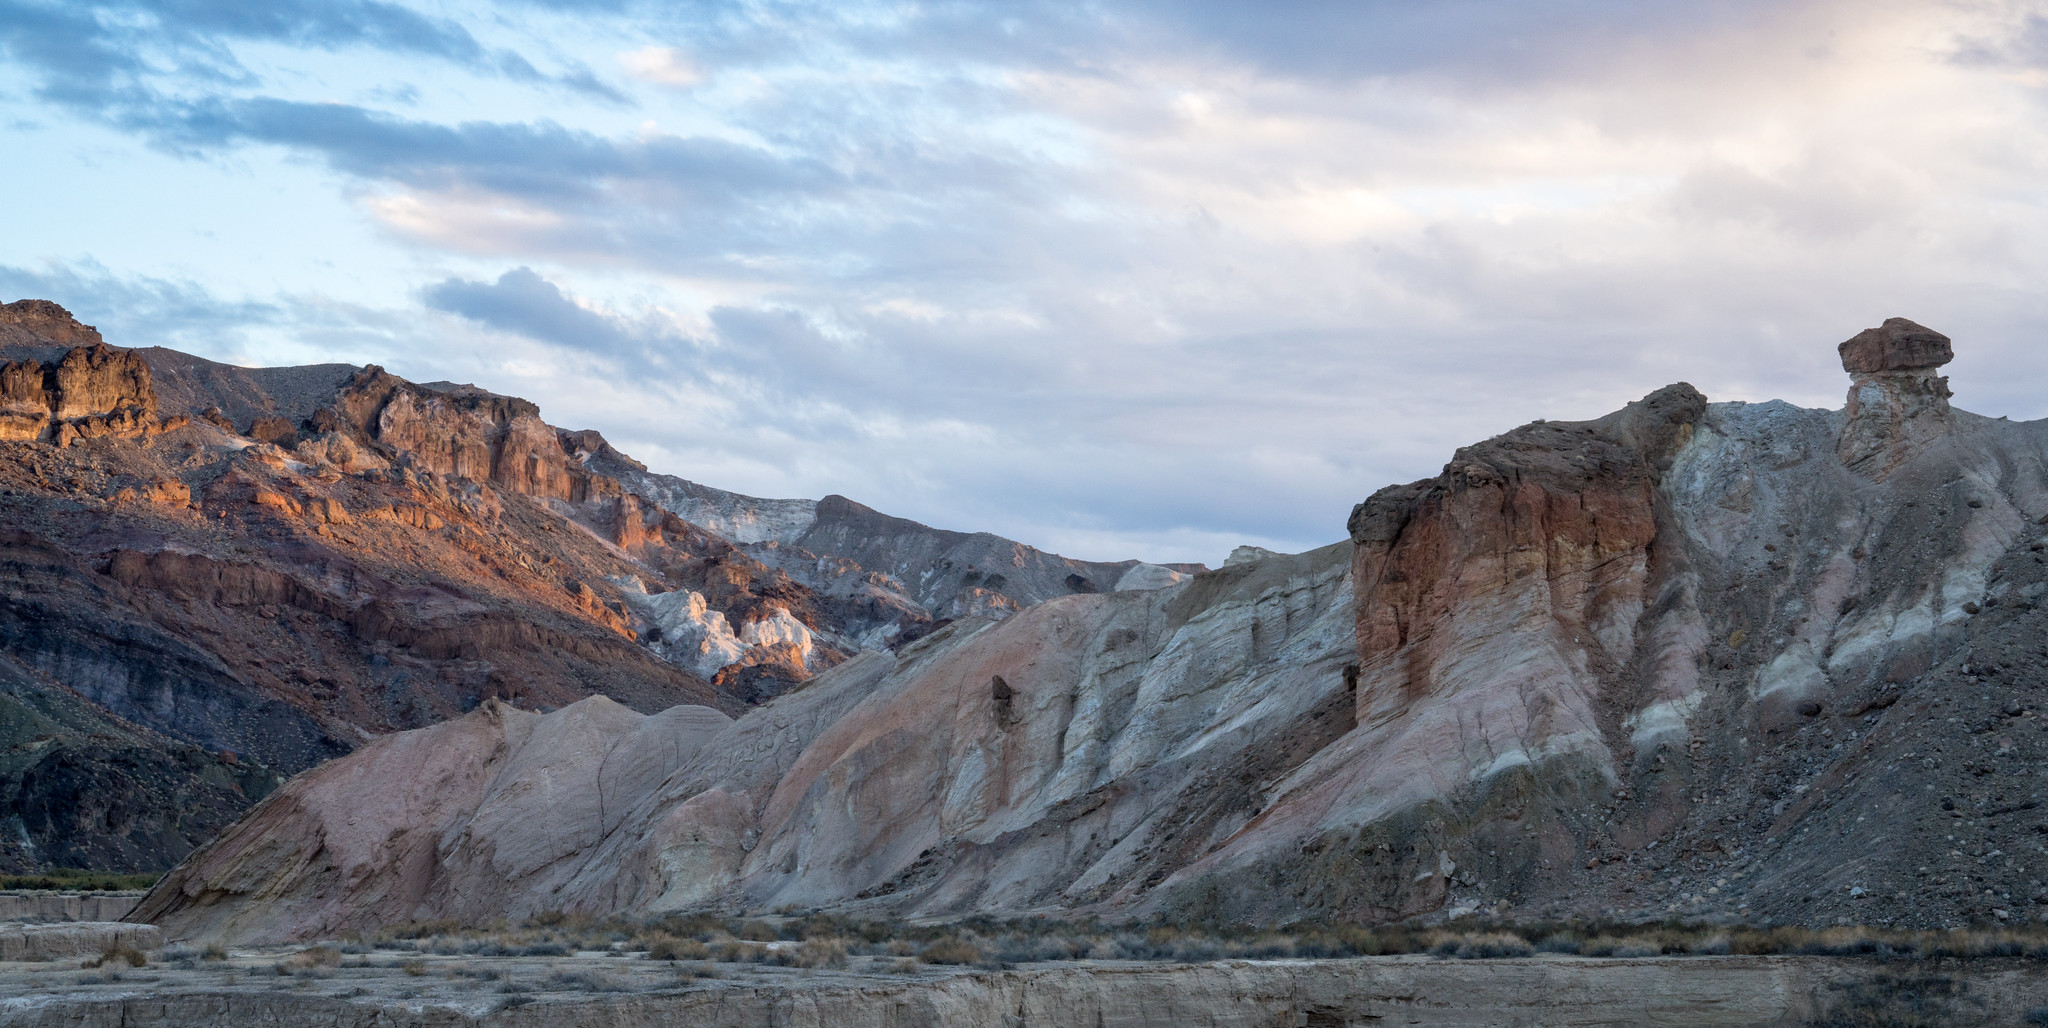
column 1137, row 279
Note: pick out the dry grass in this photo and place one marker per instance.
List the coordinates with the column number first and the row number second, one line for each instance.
column 821, row 952
column 118, row 954
column 951, row 950
column 823, row 941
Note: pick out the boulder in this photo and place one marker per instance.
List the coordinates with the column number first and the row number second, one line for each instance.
column 1896, row 345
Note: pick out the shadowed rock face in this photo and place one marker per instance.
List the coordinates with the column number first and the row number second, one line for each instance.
column 1684, row 659
column 1897, row 404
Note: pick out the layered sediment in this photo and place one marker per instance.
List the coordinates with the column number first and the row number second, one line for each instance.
column 1690, row 659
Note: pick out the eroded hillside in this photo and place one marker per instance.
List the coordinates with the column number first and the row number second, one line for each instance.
column 1746, row 661
column 271, row 567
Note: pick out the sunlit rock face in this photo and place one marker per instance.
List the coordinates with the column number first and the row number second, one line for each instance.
column 271, row 566
column 89, row 391
column 1687, row 659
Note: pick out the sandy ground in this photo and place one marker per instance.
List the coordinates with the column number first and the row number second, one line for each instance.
column 288, row 987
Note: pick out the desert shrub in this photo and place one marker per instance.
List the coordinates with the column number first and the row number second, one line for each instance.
column 1269, row 947
column 1559, row 942
column 72, row 879
column 698, row 926
column 1492, row 946
column 117, row 954
column 757, row 931
column 951, row 950
column 1711, row 946
column 414, row 967
column 314, row 956
column 664, row 946
column 821, row 952
column 1320, row 945
column 1029, row 949
column 583, row 981
column 213, row 951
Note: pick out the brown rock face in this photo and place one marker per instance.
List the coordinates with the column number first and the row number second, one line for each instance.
column 91, row 392
column 1545, row 530
column 274, row 430
column 1896, row 345
column 99, row 379
column 41, row 320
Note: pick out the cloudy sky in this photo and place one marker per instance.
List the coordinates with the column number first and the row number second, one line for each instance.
column 1119, row 279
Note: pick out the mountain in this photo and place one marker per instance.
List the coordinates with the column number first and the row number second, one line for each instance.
column 273, row 566
column 1714, row 660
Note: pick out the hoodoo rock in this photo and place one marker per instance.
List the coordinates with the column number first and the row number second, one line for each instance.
column 1896, row 345
column 1897, row 403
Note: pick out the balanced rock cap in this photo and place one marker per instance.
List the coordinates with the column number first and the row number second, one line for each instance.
column 1897, row 345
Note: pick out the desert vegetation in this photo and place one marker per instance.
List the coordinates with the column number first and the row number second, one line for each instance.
column 826, row 941
column 71, row 879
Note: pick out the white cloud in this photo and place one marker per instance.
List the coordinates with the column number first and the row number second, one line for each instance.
column 661, row 65
column 1155, row 285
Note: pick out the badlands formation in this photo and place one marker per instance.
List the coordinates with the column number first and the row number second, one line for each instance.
column 1745, row 662
column 217, row 577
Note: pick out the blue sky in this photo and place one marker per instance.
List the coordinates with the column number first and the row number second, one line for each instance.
column 1118, row 279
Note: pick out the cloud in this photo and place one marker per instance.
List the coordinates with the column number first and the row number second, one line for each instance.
column 1115, row 279
column 103, row 54
column 522, row 302
column 661, row 65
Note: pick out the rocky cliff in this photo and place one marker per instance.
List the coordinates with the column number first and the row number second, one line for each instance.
column 1741, row 661
column 271, row 566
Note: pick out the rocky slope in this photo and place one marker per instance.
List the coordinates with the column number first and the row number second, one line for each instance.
column 884, row 579
column 1723, row 660
column 270, row 566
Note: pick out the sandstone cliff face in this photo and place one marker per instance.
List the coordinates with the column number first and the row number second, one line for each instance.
column 1691, row 659
column 92, row 391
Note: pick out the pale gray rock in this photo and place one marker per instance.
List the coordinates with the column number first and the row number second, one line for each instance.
column 71, row 940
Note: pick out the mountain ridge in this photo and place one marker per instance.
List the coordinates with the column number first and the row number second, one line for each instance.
column 1723, row 661
column 279, row 564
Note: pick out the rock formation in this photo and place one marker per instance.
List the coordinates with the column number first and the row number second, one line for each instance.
column 269, row 566
column 1682, row 660
column 91, row 391
column 1897, row 404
